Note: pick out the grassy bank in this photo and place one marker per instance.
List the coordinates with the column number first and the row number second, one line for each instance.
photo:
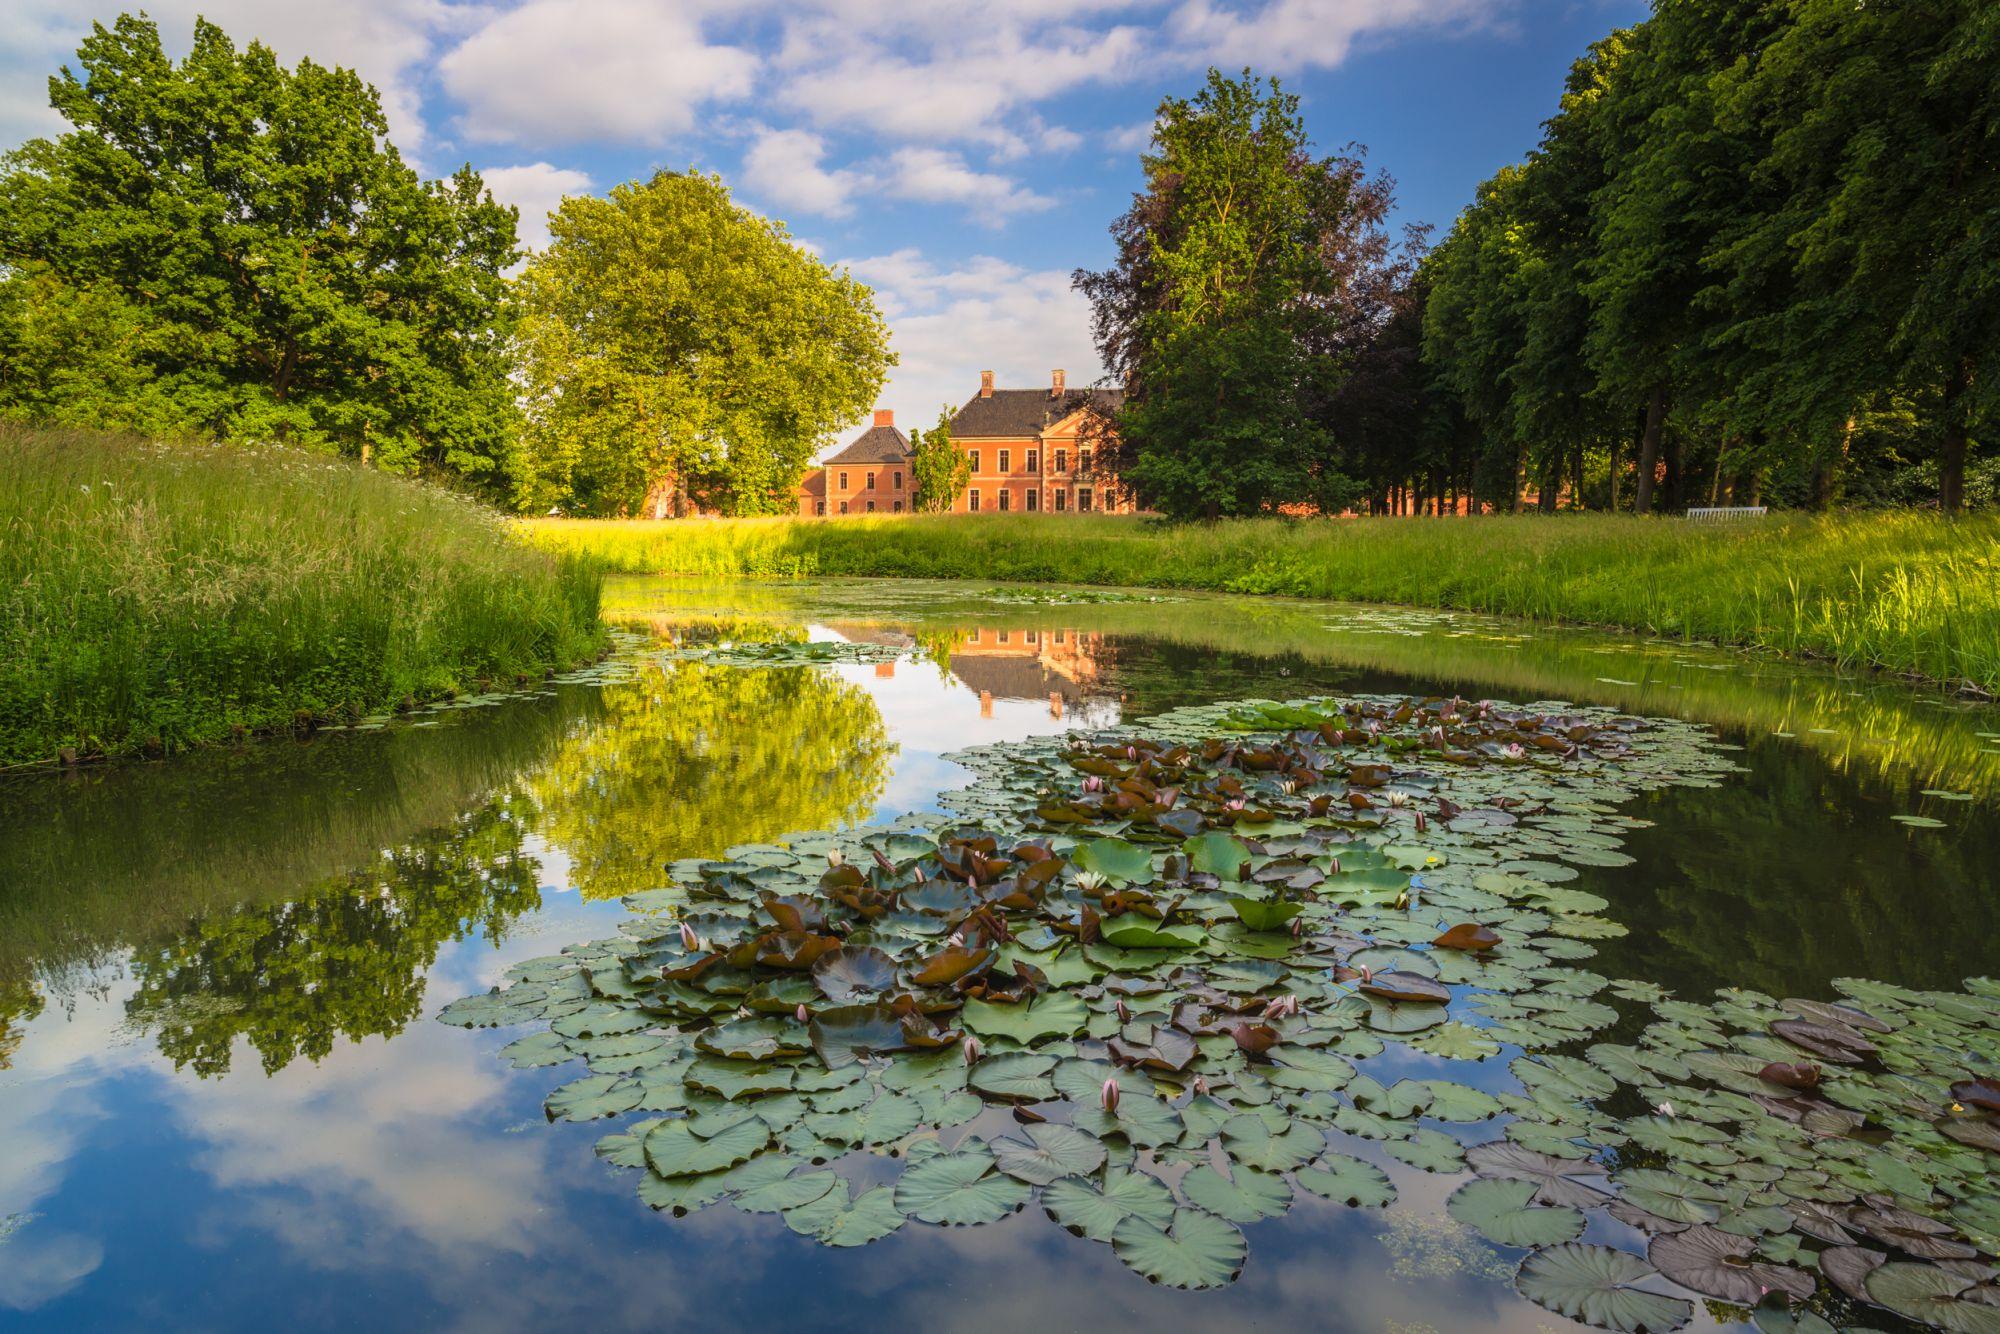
column 157, row 597
column 1902, row 592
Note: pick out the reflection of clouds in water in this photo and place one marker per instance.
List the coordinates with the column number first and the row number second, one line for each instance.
column 36, row 1269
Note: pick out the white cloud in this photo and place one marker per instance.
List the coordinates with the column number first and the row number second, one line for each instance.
column 936, row 176
column 1286, row 36
column 948, row 324
column 783, row 166
column 564, row 71
column 1130, row 138
column 535, row 189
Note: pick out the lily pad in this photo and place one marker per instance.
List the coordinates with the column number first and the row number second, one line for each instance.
column 1505, row 1212
column 958, row 1190
column 1347, row 1180
column 1593, row 1284
column 1051, row 1153
column 1094, row 1208
column 1198, row 1250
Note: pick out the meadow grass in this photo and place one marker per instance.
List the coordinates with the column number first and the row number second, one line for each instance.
column 1908, row 593
column 154, row 597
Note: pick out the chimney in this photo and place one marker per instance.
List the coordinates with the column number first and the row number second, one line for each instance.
column 1055, row 384
column 885, row 416
column 986, row 384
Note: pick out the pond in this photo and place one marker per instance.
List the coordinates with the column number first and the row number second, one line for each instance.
column 225, row 1090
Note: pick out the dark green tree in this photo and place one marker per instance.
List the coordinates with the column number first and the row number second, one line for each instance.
column 939, row 470
column 240, row 252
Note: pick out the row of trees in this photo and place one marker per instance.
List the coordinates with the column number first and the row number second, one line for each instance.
column 1756, row 257
column 230, row 248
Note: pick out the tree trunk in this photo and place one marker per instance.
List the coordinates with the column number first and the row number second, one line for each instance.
column 1649, row 449
column 1951, row 450
column 1826, row 468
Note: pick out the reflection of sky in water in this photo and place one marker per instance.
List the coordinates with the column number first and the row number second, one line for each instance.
column 412, row 1181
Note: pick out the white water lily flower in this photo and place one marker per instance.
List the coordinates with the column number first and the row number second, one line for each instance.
column 971, row 1048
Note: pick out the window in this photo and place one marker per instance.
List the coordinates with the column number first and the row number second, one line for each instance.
column 975, row 460
column 1006, row 499
column 1004, row 633
column 1061, row 635
column 1062, row 499
column 819, row 507
column 1034, row 460
column 1034, row 500
column 899, row 507
column 896, row 479
column 843, row 507
column 972, row 499
column 871, row 482
column 1062, row 460
column 1083, row 460
column 871, row 507
column 1006, row 460
column 843, row 484
column 1083, row 500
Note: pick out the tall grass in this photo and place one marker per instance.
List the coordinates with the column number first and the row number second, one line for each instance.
column 154, row 597
column 1904, row 592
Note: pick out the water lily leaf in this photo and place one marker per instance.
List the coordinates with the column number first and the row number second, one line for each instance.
column 1405, row 1098
column 1134, row 931
column 843, row 1034
column 1468, row 936
column 1048, row 1015
column 1505, row 1212
column 1141, row 1119
column 1217, row 854
column 787, row 1193
column 627, row 1148
column 675, row 1151
column 948, row 965
column 1406, row 988
column 1432, row 1150
column 1265, row 914
column 836, row 1220
column 598, row 1019
column 1114, row 859
column 884, row 1121
column 1092, row 1208
column 737, row 1079
column 1053, row 1152
column 1557, row 1180
column 1082, row 1082
column 494, row 1009
column 1346, row 1180
column 592, row 1097
column 1017, row 1076
column 1454, row 1041
column 685, row 1194
column 1669, row 1195
column 538, row 1049
column 1459, row 1102
column 1245, row 1196
column 958, row 1190
column 1717, row 1264
column 1251, row 1141
column 1932, row 1295
column 1592, row 1284
column 1199, row 1250
column 851, row 974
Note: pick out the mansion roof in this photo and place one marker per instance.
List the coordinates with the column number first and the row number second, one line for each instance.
column 1014, row 414
column 877, row 444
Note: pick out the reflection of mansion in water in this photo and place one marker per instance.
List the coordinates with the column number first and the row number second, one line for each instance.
column 1063, row 667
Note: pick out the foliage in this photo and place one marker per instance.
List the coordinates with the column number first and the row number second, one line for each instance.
column 155, row 597
column 939, row 470
column 1902, row 592
column 678, row 349
column 225, row 247
column 1245, row 273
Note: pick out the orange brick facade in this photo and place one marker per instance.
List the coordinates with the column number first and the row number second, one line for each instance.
column 1026, row 452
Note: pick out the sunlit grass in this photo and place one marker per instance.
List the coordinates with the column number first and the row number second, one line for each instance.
column 154, row 597
column 1901, row 592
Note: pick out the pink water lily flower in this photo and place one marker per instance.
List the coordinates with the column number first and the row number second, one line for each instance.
column 802, row 1014
column 1110, row 1095
column 689, row 940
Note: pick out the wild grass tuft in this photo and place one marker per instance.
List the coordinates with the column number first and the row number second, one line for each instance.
column 1903, row 592
column 155, row 596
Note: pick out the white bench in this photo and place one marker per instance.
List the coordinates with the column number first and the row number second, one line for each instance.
column 1726, row 513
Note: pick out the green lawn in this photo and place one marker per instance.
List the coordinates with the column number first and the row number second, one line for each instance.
column 157, row 596
column 1903, row 592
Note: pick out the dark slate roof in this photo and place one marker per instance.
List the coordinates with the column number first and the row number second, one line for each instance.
column 877, row 444
column 1017, row 413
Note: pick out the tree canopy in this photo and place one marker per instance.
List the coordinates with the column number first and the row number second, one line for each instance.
column 939, row 470
column 680, row 351
column 231, row 248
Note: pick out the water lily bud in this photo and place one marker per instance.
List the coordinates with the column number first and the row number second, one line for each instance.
column 1201, row 1086
column 833, row 857
column 1110, row 1095
column 804, row 1015
column 1124, row 1015
column 1336, row 867
column 1665, row 1109
column 971, row 1048
column 1422, row 822
column 1299, row 927
column 1367, row 973
column 689, row 940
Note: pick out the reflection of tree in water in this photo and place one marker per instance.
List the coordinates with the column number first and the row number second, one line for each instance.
column 346, row 961
column 691, row 759
column 20, row 1003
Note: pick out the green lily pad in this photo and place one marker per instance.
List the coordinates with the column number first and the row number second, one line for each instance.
column 1346, row 1180
column 1218, row 854
column 1593, row 1284
column 1114, row 859
column 788, row 1193
column 1094, row 1208
column 1198, row 1250
column 675, row 1151
column 1132, row 931
column 1051, row 1153
column 1505, row 1212
column 1251, row 1141
column 1245, row 1196
column 836, row 1220
column 958, row 1190
column 1049, row 1015
column 1431, row 1150
column 1015, row 1076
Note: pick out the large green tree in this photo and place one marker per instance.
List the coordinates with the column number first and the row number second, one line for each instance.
column 1244, row 268
column 228, row 247
column 679, row 351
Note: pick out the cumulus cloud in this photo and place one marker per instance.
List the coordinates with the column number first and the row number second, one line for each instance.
column 950, row 322
column 784, row 167
column 565, row 71
column 1290, row 35
column 937, row 176
column 535, row 190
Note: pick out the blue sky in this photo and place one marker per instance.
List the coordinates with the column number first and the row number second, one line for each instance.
column 962, row 159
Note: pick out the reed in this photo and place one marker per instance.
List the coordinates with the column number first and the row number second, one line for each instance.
column 158, row 596
column 1908, row 593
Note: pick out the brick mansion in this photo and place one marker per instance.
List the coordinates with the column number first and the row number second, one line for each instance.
column 1030, row 450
